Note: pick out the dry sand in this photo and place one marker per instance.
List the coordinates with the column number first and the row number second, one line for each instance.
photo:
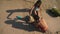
column 21, row 8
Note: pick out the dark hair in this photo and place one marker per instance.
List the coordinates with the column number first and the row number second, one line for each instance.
column 38, row 3
column 36, row 17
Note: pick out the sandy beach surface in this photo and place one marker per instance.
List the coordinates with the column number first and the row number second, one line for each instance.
column 9, row 9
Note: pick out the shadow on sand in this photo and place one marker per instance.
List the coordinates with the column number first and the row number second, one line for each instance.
column 17, row 10
column 20, row 25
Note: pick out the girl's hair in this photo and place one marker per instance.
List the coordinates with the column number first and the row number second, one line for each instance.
column 38, row 3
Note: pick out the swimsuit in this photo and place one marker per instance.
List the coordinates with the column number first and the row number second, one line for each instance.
column 37, row 9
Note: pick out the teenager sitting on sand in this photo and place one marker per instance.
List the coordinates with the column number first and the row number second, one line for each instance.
column 39, row 22
column 35, row 9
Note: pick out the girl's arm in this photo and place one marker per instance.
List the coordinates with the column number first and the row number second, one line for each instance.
column 31, row 10
column 39, row 12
